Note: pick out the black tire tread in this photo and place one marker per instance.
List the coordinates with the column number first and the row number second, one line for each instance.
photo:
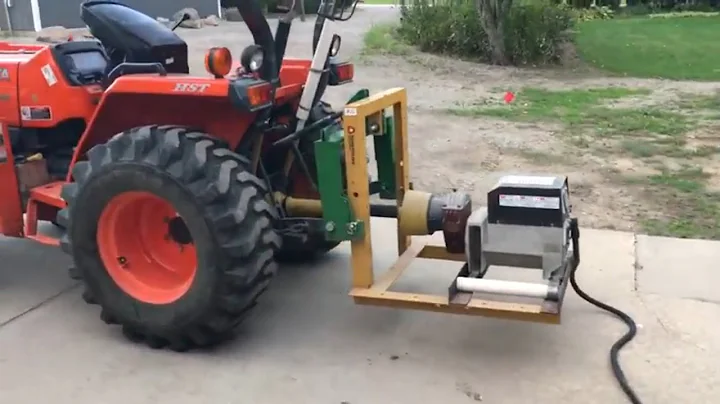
column 218, row 179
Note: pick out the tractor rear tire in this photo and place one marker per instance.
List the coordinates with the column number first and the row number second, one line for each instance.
column 166, row 198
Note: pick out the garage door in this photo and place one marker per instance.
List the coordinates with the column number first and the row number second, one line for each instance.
column 67, row 12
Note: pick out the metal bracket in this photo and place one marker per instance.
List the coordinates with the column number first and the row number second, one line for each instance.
column 340, row 221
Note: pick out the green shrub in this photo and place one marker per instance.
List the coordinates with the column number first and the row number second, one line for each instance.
column 611, row 4
column 653, row 6
column 637, row 9
column 699, row 7
column 534, row 31
column 444, row 28
column 593, row 13
column 580, row 3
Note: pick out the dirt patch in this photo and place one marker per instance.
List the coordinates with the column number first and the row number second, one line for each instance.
column 471, row 152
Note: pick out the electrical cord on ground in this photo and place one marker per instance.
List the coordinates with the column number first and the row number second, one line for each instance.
column 632, row 327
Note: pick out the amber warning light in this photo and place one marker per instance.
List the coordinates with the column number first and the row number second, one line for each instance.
column 259, row 95
column 218, row 62
column 251, row 94
column 341, row 73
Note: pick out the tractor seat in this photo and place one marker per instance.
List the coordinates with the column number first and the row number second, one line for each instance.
column 133, row 37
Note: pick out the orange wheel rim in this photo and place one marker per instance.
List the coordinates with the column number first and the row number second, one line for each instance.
column 146, row 247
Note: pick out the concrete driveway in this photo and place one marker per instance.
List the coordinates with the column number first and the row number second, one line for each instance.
column 307, row 342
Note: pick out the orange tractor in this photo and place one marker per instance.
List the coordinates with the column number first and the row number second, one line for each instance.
column 176, row 195
column 163, row 182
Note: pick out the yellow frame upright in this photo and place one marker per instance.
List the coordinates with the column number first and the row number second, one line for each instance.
column 366, row 289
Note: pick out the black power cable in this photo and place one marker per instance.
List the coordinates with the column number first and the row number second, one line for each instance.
column 632, row 327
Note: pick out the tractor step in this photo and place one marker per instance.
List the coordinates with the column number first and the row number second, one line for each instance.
column 48, row 194
column 41, row 198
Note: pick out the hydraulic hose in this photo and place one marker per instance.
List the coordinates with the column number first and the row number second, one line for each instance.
column 624, row 317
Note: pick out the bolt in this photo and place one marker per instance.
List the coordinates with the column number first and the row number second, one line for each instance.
column 351, row 228
column 122, row 261
column 330, row 226
column 374, row 128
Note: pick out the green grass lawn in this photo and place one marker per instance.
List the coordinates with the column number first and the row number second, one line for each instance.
column 654, row 137
column 585, row 113
column 381, row 39
column 681, row 48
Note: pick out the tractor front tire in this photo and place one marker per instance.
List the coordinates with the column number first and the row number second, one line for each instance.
column 171, row 235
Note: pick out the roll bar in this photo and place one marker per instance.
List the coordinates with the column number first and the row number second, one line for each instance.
column 252, row 15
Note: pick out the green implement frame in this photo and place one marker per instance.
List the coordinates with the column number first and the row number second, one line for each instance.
column 340, row 222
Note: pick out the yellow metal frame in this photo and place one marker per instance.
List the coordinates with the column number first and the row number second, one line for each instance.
column 365, row 289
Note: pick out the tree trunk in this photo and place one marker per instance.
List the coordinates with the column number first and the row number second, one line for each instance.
column 496, row 39
column 492, row 19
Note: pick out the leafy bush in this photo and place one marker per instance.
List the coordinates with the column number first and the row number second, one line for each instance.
column 534, row 32
column 594, row 13
column 653, row 6
column 580, row 3
column 611, row 4
column 444, row 28
column 633, row 10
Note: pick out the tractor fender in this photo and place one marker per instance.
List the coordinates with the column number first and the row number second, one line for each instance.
column 139, row 100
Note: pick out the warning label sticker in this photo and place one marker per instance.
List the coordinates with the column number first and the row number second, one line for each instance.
column 49, row 75
column 41, row 113
column 529, row 201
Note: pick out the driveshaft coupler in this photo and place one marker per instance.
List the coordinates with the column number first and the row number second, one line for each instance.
column 424, row 213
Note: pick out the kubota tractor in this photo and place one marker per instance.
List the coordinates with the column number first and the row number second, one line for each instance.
column 169, row 188
column 177, row 194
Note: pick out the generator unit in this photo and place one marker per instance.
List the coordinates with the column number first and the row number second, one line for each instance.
column 526, row 224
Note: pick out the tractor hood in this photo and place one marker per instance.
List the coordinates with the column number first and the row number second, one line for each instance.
column 252, row 15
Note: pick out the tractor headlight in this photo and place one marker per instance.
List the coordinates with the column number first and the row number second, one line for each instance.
column 335, row 45
column 252, row 58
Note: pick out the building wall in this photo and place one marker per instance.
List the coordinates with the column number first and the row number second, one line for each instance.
column 67, row 12
column 20, row 16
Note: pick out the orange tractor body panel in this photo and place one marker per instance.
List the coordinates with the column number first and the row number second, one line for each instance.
column 143, row 99
column 139, row 96
column 28, row 87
